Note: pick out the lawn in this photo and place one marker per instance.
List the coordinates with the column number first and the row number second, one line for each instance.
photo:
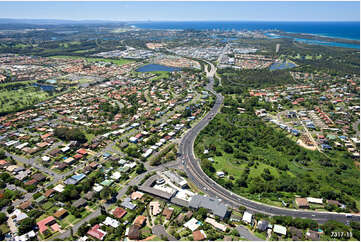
column 160, row 75
column 260, row 235
column 156, row 238
column 13, row 100
column 47, row 205
column 4, row 228
column 119, row 62
column 70, row 219
column 89, row 136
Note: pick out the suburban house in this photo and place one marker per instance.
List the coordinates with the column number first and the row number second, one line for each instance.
column 49, row 221
column 119, row 212
column 302, row 202
column 96, row 232
column 199, row 235
column 61, row 213
column 279, row 229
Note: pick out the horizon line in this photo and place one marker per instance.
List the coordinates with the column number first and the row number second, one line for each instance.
column 172, row 20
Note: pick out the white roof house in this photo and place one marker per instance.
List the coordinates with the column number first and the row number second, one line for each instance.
column 111, row 222
column 19, row 215
column 116, row 175
column 130, row 165
column 97, row 187
column 220, row 173
column 147, row 153
column 45, row 158
column 247, row 217
column 215, row 224
column 22, row 145
column 314, row 200
column 133, row 139
column 192, row 224
column 59, row 188
column 279, row 229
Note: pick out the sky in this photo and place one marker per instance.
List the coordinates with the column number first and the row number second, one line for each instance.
column 184, row 11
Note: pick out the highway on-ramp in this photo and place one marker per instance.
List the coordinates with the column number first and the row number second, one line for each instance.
column 210, row 187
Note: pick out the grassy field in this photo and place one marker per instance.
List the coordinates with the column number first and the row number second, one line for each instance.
column 12, row 100
column 160, row 75
column 119, row 62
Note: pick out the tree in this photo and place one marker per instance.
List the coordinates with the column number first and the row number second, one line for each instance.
column 2, row 154
column 70, row 134
column 26, row 225
column 207, row 165
column 10, row 209
column 3, row 218
column 4, row 202
column 140, row 169
column 202, row 213
column 228, row 148
column 83, row 229
column 242, row 209
column 34, row 213
column 103, row 211
column 267, row 175
column 105, row 193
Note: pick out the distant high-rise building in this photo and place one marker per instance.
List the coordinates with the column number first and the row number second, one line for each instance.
column 277, row 47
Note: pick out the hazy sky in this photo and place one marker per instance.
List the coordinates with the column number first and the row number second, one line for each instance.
column 160, row 11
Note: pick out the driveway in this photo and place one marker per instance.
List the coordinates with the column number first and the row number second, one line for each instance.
column 246, row 234
column 160, row 231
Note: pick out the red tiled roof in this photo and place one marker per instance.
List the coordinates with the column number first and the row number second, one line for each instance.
column 94, row 231
column 139, row 221
column 82, row 151
column 31, row 182
column 198, row 235
column 42, row 224
column 49, row 192
column 78, row 156
column 55, row 227
column 119, row 212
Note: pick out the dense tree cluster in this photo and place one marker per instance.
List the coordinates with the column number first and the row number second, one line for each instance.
column 239, row 81
column 70, row 134
column 244, row 140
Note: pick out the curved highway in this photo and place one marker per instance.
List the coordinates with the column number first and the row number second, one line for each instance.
column 213, row 189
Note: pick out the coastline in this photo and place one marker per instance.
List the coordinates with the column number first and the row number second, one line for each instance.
column 346, row 31
column 319, row 37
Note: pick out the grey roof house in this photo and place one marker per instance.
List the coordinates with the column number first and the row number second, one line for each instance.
column 216, row 207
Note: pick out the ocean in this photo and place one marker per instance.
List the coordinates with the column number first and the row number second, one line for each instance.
column 346, row 30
